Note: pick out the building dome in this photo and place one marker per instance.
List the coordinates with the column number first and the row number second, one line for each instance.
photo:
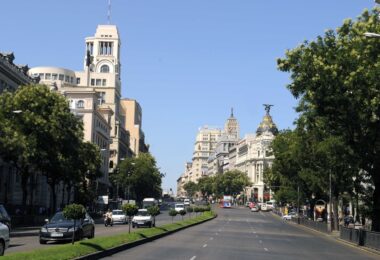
column 267, row 124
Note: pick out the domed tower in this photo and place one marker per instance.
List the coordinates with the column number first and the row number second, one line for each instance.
column 267, row 124
column 231, row 126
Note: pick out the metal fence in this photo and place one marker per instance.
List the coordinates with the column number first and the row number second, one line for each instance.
column 316, row 225
column 361, row 237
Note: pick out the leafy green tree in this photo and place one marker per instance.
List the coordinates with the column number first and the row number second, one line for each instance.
column 130, row 210
column 190, row 210
column 206, row 185
column 42, row 137
column 145, row 179
column 153, row 211
column 74, row 212
column 190, row 188
column 336, row 78
column 231, row 182
column 182, row 212
column 173, row 213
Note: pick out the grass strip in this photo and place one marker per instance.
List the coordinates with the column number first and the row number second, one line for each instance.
column 88, row 246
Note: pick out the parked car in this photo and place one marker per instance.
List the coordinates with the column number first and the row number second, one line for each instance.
column 186, row 202
column 4, row 238
column 270, row 205
column 179, row 206
column 289, row 216
column 142, row 218
column 118, row 216
column 255, row 209
column 61, row 229
column 4, row 216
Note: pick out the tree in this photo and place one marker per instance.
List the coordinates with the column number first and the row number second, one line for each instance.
column 74, row 212
column 231, row 182
column 206, row 185
column 153, row 211
column 182, row 212
column 190, row 188
column 130, row 210
column 336, row 78
column 42, row 138
column 145, row 179
column 173, row 213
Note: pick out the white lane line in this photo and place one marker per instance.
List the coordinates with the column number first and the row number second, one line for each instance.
column 266, row 249
column 193, row 258
column 253, row 232
column 211, row 238
column 204, row 245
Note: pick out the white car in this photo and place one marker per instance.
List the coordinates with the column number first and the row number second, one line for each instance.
column 179, row 206
column 186, row 202
column 289, row 216
column 142, row 218
column 264, row 207
column 118, row 216
column 255, row 209
column 4, row 238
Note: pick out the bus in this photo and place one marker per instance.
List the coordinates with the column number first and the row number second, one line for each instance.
column 148, row 202
column 226, row 201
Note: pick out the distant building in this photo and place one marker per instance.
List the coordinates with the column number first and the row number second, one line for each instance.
column 133, row 124
column 253, row 155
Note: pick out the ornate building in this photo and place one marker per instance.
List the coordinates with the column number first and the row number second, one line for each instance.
column 253, row 155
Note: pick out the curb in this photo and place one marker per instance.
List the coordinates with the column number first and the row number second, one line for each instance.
column 24, row 234
column 117, row 249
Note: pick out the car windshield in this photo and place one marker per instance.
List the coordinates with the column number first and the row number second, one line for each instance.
column 58, row 218
column 142, row 213
column 3, row 213
column 117, row 212
column 179, row 205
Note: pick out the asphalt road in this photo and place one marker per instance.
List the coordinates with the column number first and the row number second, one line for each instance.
column 27, row 243
column 241, row 234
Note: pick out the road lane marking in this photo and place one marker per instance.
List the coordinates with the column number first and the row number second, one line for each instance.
column 266, row 249
column 204, row 245
column 193, row 258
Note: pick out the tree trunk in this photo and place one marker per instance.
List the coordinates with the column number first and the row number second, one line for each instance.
column 63, row 194
column 336, row 215
column 24, row 187
column 376, row 201
column 54, row 196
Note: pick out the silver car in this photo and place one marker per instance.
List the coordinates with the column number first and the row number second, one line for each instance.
column 4, row 238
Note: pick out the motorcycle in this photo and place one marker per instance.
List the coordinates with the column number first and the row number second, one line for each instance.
column 108, row 221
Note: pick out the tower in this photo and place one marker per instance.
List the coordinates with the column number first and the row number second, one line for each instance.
column 231, row 126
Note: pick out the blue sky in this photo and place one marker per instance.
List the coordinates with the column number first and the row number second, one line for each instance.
column 186, row 62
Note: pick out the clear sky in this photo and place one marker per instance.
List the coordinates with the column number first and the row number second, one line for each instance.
column 186, row 62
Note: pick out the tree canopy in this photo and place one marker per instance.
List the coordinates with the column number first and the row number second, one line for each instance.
column 336, row 79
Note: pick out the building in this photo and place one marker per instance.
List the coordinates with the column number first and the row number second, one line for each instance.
column 254, row 155
column 132, row 114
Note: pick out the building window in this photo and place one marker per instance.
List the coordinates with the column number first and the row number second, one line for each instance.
column 67, row 78
column 104, row 82
column 54, row 76
column 92, row 82
column 104, row 69
column 47, row 76
column 101, row 97
column 78, row 81
column 61, row 77
column 80, row 104
column 105, row 48
column 98, row 82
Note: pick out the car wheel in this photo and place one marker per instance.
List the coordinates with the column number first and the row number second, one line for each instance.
column 2, row 248
column 42, row 242
column 92, row 235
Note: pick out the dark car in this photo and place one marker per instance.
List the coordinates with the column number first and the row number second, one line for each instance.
column 61, row 229
column 4, row 217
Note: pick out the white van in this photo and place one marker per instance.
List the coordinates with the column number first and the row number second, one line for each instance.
column 186, row 202
column 179, row 206
column 264, row 207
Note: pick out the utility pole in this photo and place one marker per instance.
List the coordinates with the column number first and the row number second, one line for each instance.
column 298, row 204
column 329, row 228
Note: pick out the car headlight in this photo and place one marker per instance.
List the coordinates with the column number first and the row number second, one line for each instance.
column 73, row 229
column 44, row 229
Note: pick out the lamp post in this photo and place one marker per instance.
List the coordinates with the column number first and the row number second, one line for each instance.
column 330, row 208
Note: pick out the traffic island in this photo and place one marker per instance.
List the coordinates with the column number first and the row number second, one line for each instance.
column 100, row 247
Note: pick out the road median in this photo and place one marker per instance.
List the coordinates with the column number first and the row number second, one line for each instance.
column 97, row 248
